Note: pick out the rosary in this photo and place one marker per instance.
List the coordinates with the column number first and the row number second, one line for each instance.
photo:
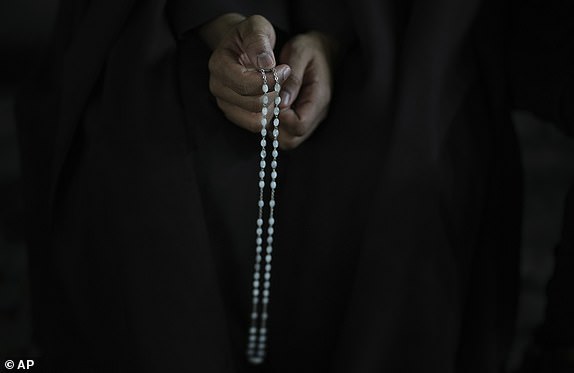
column 262, row 268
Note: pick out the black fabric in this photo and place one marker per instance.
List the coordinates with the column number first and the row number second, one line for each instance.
column 188, row 15
column 543, row 46
column 397, row 223
column 558, row 328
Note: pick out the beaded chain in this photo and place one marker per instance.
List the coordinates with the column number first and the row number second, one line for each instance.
column 256, row 343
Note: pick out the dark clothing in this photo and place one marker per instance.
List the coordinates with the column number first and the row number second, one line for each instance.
column 397, row 223
column 557, row 331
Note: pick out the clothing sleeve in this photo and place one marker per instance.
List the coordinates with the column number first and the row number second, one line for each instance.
column 557, row 330
column 542, row 77
column 331, row 17
column 186, row 15
column 37, row 113
column 542, row 60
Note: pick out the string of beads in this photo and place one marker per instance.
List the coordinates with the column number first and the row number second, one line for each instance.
column 257, row 339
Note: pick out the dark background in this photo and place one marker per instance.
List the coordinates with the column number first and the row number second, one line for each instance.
column 25, row 27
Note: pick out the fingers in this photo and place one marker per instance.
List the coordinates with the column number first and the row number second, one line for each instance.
column 248, row 120
column 231, row 78
column 306, row 93
column 234, row 64
column 235, row 79
column 248, row 103
column 244, row 107
column 257, row 41
column 298, row 122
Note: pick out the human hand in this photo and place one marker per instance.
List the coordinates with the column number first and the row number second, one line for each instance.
column 306, row 94
column 241, row 47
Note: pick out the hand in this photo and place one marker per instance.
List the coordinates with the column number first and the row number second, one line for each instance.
column 306, row 94
column 241, row 46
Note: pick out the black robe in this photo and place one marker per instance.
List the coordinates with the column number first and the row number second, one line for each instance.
column 397, row 223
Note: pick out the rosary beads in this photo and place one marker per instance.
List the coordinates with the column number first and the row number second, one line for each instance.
column 256, row 344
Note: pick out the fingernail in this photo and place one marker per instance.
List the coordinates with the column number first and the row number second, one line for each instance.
column 285, row 97
column 264, row 60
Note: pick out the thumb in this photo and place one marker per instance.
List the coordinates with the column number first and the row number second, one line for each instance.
column 258, row 39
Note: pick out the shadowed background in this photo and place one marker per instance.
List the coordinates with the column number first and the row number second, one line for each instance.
column 25, row 27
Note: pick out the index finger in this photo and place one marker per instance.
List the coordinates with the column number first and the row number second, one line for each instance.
column 226, row 67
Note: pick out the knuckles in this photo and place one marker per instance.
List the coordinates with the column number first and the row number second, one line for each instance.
column 256, row 21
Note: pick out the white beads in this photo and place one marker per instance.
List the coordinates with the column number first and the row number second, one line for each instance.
column 256, row 360
column 259, row 314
